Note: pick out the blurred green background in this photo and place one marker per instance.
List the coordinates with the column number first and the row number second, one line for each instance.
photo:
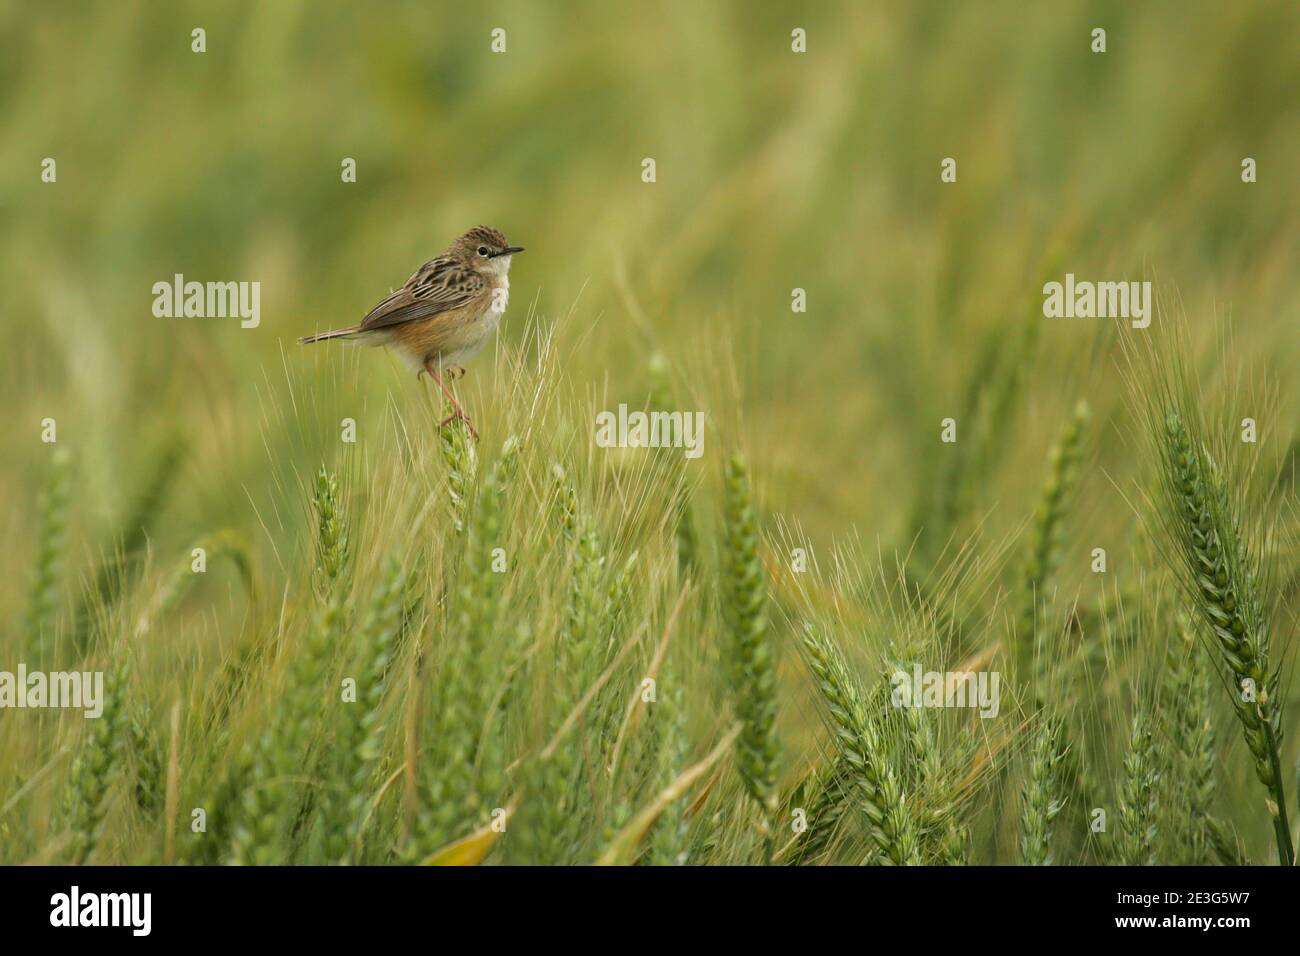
column 775, row 170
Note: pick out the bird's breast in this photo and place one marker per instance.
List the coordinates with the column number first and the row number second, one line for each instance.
column 458, row 332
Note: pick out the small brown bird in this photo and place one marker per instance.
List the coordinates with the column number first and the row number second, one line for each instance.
column 444, row 313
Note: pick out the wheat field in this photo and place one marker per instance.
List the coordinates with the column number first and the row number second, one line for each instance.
column 332, row 632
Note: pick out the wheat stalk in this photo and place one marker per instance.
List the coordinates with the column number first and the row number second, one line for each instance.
column 464, row 772
column 1222, row 583
column 361, row 738
column 754, row 669
column 272, row 800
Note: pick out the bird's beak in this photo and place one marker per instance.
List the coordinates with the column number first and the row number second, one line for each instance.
column 508, row 251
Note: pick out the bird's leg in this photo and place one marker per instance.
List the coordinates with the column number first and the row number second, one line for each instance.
column 458, row 413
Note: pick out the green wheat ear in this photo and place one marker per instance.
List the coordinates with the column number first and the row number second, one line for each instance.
column 1222, row 583
column 96, row 766
column 147, row 756
column 867, row 775
column 462, row 467
column 43, row 593
column 332, row 536
column 1042, row 795
column 1188, row 800
column 1138, row 805
column 825, row 791
column 1043, row 552
column 667, row 842
column 752, row 656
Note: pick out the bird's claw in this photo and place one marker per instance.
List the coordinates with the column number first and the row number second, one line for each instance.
column 461, row 417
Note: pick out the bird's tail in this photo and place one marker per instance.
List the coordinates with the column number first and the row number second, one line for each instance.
column 336, row 334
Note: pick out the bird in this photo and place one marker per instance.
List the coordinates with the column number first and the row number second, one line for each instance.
column 444, row 313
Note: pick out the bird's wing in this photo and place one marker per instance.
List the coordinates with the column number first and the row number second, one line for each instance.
column 440, row 285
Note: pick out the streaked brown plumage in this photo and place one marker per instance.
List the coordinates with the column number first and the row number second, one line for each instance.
column 445, row 312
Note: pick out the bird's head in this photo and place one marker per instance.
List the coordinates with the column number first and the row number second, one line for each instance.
column 484, row 249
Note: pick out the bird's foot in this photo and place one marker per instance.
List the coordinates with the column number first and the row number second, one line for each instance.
column 459, row 416
column 450, row 373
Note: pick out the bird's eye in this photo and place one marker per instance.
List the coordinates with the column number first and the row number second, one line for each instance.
column 483, row 251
